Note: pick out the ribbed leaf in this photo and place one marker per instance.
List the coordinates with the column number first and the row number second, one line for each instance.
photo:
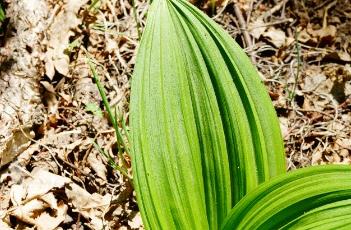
column 178, row 142
column 243, row 102
column 312, row 198
column 336, row 215
column 204, row 132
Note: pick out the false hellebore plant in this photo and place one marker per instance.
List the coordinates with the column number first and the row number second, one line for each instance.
column 204, row 131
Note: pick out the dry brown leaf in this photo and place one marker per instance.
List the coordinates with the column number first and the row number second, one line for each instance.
column 24, row 158
column 91, row 206
column 284, row 126
column 304, row 37
column 35, row 212
column 47, row 222
column 344, row 153
column 313, row 81
column 324, row 35
column 317, row 157
column 16, row 143
column 17, row 194
column 59, row 34
column 28, row 212
column 344, row 143
column 86, row 91
column 97, row 164
column 257, row 28
column 276, row 36
column 32, row 198
column 338, row 56
column 4, row 226
column 136, row 222
column 48, row 86
column 42, row 182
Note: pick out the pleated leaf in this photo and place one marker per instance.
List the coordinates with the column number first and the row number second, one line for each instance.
column 203, row 129
column 253, row 137
column 311, row 198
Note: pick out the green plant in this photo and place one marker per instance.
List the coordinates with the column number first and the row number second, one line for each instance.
column 204, row 132
column 2, row 14
column 95, row 5
column 311, row 198
column 292, row 92
column 120, row 140
column 205, row 135
column 94, row 109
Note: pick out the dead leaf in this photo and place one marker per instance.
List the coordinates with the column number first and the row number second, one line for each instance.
column 17, row 193
column 304, row 37
column 344, row 143
column 4, row 226
column 97, row 164
column 284, row 126
column 46, row 221
column 33, row 197
column 59, row 33
column 312, row 82
column 316, row 157
column 27, row 212
column 42, row 182
column 136, row 222
column 16, row 143
column 86, row 91
column 257, row 28
column 48, row 86
column 34, row 212
column 338, row 56
column 276, row 37
column 91, row 206
column 324, row 35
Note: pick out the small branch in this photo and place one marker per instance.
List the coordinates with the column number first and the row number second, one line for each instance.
column 243, row 27
column 274, row 9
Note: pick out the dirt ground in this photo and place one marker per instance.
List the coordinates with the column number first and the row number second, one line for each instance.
column 51, row 112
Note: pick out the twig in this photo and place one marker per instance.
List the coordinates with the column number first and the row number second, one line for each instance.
column 43, row 145
column 330, row 5
column 243, row 27
column 274, row 9
column 273, row 23
column 322, row 4
column 248, row 16
column 222, row 10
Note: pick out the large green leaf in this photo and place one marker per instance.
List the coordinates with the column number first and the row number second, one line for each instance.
column 244, row 103
column 203, row 129
column 311, row 198
column 336, row 215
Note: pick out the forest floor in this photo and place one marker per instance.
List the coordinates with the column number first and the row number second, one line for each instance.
column 51, row 112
